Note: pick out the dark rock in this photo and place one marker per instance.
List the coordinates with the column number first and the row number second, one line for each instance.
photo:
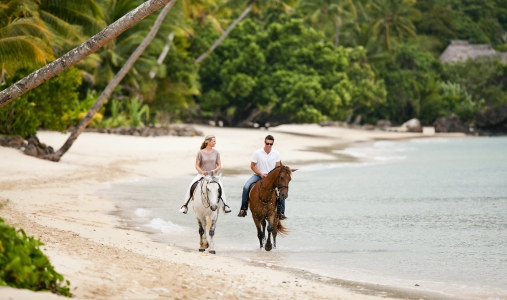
column 451, row 124
column 40, row 152
column 4, row 141
column 15, row 144
column 412, row 125
column 491, row 117
column 33, row 141
column 383, row 124
column 31, row 150
column 493, row 121
column 50, row 150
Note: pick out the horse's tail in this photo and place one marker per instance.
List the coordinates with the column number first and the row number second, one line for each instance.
column 280, row 229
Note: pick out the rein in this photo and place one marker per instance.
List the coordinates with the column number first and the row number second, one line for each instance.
column 204, row 195
column 278, row 187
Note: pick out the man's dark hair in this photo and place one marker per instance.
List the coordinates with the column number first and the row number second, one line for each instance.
column 270, row 138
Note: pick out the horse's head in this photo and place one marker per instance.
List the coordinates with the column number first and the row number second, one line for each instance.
column 284, row 177
column 212, row 190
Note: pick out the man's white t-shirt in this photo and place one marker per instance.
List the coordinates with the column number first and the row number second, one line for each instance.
column 265, row 162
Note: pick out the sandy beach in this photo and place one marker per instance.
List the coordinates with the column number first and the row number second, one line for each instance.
column 86, row 243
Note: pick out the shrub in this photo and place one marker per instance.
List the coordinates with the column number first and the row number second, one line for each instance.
column 24, row 266
column 44, row 106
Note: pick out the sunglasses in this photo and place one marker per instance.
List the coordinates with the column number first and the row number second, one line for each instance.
column 269, row 144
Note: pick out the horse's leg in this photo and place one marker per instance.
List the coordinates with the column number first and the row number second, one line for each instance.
column 203, row 243
column 263, row 229
column 271, row 220
column 275, row 223
column 260, row 235
column 214, row 219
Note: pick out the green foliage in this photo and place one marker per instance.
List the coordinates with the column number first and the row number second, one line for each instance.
column 24, row 266
column 126, row 113
column 80, row 108
column 481, row 79
column 457, row 100
column 46, row 106
column 285, row 69
column 411, row 78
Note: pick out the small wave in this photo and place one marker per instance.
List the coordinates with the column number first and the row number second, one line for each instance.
column 141, row 212
column 431, row 140
column 164, row 226
column 318, row 167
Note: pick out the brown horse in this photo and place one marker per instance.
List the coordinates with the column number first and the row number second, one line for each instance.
column 263, row 204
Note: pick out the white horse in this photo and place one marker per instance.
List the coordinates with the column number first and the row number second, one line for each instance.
column 206, row 207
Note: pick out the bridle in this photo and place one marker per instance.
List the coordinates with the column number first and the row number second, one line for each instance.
column 204, row 195
column 277, row 189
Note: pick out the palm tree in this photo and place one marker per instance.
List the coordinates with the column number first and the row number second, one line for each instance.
column 24, row 38
column 112, row 85
column 111, row 58
column 74, row 56
column 329, row 15
column 393, row 18
column 255, row 5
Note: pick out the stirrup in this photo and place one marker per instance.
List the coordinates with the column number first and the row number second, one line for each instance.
column 227, row 209
column 184, row 209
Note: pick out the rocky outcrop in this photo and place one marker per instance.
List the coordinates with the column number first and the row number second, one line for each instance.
column 451, row 123
column 492, row 121
column 31, row 146
column 174, row 130
column 412, row 125
column 383, row 125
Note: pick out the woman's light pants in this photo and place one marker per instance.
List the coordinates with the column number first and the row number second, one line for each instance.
column 196, row 178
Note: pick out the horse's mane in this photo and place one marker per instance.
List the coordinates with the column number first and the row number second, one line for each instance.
column 290, row 171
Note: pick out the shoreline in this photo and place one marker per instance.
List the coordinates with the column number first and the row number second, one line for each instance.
column 53, row 202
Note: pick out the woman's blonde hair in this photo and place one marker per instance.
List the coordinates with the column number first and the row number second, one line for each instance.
column 207, row 139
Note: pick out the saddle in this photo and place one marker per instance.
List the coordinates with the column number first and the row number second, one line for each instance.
column 194, row 186
column 250, row 190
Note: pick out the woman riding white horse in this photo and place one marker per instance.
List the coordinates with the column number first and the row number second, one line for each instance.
column 207, row 162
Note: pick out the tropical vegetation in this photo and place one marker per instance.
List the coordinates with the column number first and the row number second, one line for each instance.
column 23, row 265
column 246, row 62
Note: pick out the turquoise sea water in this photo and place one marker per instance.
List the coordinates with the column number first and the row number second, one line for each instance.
column 431, row 212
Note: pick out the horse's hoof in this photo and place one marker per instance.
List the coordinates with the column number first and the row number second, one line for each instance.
column 212, row 252
column 268, row 247
column 201, row 250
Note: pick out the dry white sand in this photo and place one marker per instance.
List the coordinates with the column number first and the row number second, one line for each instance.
column 85, row 242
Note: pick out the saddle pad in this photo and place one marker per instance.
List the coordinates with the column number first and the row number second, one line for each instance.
column 194, row 187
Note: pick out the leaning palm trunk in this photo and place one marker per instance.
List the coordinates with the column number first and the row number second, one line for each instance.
column 162, row 55
column 77, row 54
column 111, row 86
column 225, row 34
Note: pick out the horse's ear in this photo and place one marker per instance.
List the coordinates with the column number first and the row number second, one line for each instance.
column 293, row 170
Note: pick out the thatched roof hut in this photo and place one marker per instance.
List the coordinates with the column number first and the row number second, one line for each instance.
column 460, row 50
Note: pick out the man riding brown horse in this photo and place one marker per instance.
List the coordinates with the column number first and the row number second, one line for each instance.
column 263, row 161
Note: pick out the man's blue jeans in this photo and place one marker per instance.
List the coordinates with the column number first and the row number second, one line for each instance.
column 244, row 197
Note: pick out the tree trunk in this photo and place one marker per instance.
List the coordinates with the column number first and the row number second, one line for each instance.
column 77, row 54
column 337, row 33
column 225, row 34
column 162, row 55
column 112, row 85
